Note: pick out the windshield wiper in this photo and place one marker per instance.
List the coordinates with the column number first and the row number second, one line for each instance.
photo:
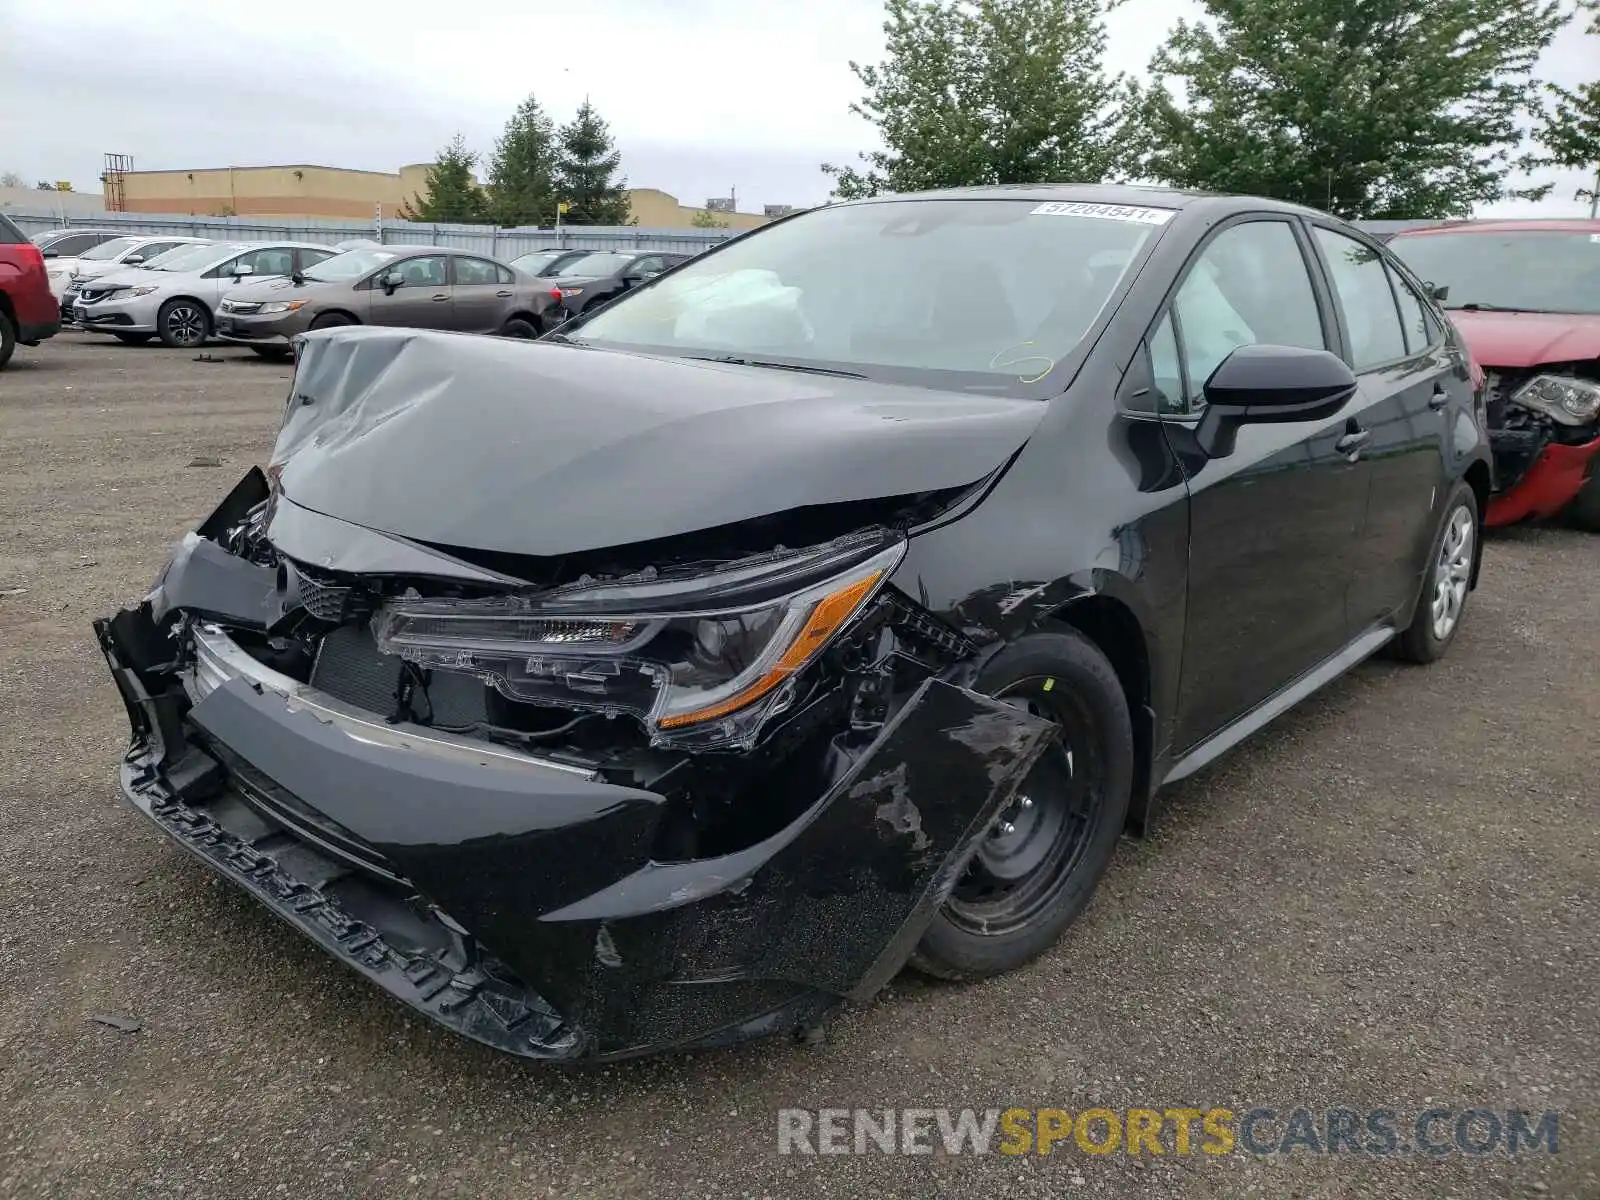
column 735, row 361
column 1482, row 306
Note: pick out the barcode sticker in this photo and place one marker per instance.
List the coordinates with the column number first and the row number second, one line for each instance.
column 1104, row 212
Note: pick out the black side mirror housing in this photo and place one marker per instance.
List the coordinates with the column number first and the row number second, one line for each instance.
column 1260, row 385
column 1440, row 294
column 392, row 280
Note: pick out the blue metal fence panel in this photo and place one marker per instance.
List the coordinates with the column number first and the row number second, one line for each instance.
column 504, row 244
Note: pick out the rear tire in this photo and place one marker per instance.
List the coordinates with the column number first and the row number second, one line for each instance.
column 8, row 339
column 518, row 328
column 1036, row 867
column 133, row 339
column 274, row 353
column 1442, row 604
column 183, row 324
column 331, row 320
column 1584, row 511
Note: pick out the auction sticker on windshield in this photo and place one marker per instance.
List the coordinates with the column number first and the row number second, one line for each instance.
column 1106, row 212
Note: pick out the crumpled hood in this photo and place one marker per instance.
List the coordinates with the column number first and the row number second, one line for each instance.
column 1499, row 339
column 543, row 449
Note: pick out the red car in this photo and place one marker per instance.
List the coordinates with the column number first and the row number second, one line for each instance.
column 28, row 312
column 1526, row 297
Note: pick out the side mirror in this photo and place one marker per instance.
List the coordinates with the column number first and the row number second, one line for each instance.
column 243, row 269
column 391, row 280
column 633, row 277
column 1440, row 294
column 48, row 254
column 1261, row 385
column 133, row 260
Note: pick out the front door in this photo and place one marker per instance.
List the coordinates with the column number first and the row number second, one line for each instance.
column 1409, row 377
column 1272, row 526
column 424, row 298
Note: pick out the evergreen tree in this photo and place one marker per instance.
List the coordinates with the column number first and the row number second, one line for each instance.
column 989, row 91
column 587, row 174
column 1368, row 108
column 523, row 171
column 453, row 191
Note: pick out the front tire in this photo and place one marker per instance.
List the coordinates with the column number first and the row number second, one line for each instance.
column 1037, row 865
column 1584, row 511
column 518, row 328
column 332, row 320
column 1445, row 589
column 183, row 324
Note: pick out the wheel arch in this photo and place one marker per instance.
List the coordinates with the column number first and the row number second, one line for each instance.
column 337, row 312
column 1479, row 478
column 1116, row 631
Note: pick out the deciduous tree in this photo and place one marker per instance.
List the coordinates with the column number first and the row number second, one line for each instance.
column 1368, row 108
column 989, row 91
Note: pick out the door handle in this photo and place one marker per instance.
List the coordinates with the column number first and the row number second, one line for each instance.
column 1352, row 443
column 502, row 293
column 1440, row 397
column 441, row 296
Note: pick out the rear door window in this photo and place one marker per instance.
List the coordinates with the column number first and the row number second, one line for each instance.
column 1361, row 286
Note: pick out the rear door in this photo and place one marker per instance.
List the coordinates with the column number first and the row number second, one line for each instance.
column 1273, row 526
column 1408, row 376
column 424, row 298
column 482, row 294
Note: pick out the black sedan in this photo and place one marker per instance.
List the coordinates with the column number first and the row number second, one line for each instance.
column 676, row 677
column 590, row 281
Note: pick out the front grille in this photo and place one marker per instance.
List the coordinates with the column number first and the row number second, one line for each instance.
column 241, row 306
column 350, row 667
column 93, row 295
column 325, row 601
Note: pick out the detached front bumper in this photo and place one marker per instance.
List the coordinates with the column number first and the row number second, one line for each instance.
column 515, row 900
column 1551, row 483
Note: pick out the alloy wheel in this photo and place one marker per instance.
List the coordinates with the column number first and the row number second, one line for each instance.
column 1452, row 573
column 186, row 325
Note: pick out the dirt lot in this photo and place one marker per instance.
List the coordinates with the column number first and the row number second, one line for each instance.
column 1386, row 900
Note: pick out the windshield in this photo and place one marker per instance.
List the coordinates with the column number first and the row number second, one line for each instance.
column 191, row 258
column 109, row 250
column 987, row 294
column 537, row 261
column 349, row 265
column 594, row 264
column 1530, row 270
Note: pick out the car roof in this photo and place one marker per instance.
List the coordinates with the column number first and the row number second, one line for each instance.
column 1143, row 195
column 1509, row 225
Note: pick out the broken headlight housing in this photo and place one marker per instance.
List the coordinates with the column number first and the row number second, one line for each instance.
column 1563, row 398
column 702, row 659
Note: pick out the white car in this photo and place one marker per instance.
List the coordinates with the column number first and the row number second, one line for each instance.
column 175, row 299
column 130, row 250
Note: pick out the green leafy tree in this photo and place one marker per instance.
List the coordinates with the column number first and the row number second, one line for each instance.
column 989, row 91
column 1569, row 125
column 704, row 218
column 522, row 174
column 1368, row 108
column 453, row 191
column 588, row 161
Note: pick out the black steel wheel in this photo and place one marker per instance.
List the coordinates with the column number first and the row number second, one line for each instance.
column 1039, row 861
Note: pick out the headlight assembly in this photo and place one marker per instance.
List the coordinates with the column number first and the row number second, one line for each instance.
column 701, row 660
column 1563, row 398
column 281, row 306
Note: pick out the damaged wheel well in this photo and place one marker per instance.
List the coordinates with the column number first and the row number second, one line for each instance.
column 1113, row 628
column 1478, row 480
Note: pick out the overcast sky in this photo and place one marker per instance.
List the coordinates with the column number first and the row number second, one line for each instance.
column 702, row 95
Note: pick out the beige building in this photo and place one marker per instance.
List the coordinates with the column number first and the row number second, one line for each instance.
column 307, row 190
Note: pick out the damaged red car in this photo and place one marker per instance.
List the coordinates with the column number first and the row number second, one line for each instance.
column 1526, row 297
column 832, row 602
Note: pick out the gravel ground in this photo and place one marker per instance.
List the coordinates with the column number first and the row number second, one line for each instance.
column 1385, row 900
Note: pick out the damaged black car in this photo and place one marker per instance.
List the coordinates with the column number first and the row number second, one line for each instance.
column 831, row 603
